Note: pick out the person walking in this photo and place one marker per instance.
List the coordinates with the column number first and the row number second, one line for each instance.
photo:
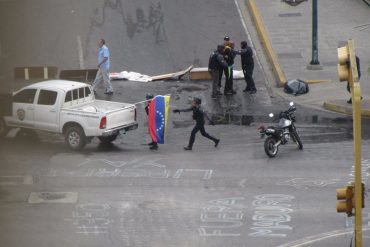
column 153, row 145
column 246, row 55
column 103, row 68
column 198, row 116
column 216, row 65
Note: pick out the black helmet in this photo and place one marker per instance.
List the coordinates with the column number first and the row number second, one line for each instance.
column 197, row 100
column 220, row 48
column 149, row 96
column 243, row 44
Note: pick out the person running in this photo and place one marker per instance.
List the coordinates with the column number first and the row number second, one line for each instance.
column 198, row 116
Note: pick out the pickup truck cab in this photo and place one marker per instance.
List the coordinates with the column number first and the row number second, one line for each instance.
column 69, row 108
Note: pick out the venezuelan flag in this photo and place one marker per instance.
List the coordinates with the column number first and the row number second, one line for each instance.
column 157, row 117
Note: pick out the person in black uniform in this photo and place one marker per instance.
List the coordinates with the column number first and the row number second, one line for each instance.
column 359, row 77
column 246, row 54
column 215, row 67
column 153, row 145
column 198, row 116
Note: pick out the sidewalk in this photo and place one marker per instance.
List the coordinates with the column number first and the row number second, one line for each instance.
column 289, row 32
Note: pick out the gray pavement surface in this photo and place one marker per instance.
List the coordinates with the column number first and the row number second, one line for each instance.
column 150, row 37
column 128, row 195
column 289, row 30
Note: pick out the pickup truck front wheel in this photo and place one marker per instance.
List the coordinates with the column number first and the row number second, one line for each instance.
column 75, row 138
column 3, row 128
column 107, row 139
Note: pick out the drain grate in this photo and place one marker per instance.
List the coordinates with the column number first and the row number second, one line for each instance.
column 53, row 197
column 290, row 15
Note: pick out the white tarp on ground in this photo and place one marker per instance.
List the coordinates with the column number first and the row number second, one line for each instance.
column 131, row 76
column 134, row 76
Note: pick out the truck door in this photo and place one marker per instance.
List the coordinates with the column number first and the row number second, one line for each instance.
column 46, row 112
column 23, row 108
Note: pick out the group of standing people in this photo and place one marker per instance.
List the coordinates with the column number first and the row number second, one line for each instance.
column 221, row 62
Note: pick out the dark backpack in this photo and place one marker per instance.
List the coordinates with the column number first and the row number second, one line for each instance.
column 213, row 63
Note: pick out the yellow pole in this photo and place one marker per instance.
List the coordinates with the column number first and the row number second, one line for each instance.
column 356, row 101
column 356, row 106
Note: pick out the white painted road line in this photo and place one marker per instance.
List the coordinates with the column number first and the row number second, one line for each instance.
column 316, row 238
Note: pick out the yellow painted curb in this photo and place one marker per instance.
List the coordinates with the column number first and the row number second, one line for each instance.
column 317, row 81
column 266, row 42
column 345, row 110
column 337, row 108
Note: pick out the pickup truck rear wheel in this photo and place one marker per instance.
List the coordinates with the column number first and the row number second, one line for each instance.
column 107, row 139
column 75, row 138
column 3, row 128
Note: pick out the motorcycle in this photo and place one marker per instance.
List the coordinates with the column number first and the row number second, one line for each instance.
column 281, row 134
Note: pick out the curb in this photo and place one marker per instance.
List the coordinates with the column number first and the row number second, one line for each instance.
column 341, row 106
column 367, row 2
column 317, row 81
column 279, row 73
column 266, row 42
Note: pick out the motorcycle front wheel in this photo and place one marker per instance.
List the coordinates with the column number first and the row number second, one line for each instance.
column 270, row 148
column 297, row 139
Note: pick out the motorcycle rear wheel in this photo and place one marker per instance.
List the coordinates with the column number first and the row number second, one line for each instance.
column 270, row 149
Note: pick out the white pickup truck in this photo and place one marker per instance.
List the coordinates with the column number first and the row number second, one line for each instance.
column 69, row 108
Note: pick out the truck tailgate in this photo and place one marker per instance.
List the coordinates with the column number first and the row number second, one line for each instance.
column 121, row 117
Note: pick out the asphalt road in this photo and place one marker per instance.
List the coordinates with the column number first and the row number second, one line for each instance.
column 150, row 37
column 126, row 195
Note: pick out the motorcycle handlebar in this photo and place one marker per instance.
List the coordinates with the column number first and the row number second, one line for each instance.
column 290, row 111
